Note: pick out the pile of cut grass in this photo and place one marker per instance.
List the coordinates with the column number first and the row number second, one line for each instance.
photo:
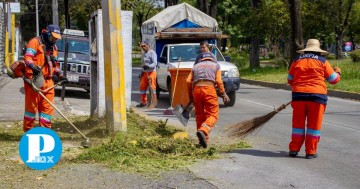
column 148, row 147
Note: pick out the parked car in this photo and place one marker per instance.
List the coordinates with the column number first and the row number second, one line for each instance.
column 78, row 58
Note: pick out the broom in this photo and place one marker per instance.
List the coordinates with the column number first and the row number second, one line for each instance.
column 244, row 128
column 169, row 111
column 152, row 103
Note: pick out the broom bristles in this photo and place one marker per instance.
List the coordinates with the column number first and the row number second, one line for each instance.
column 244, row 128
column 152, row 103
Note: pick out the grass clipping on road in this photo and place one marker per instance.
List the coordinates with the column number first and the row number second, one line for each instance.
column 148, row 147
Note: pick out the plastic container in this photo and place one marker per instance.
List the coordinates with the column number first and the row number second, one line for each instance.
column 181, row 93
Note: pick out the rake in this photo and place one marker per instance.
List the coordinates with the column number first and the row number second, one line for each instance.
column 244, row 128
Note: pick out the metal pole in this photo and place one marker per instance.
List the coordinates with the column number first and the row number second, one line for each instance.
column 55, row 14
column 37, row 19
column 65, row 68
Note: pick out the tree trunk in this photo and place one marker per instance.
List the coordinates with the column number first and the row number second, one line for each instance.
column 254, row 49
column 254, row 52
column 213, row 8
column 297, row 42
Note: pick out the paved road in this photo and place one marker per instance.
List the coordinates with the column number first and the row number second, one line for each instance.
column 266, row 165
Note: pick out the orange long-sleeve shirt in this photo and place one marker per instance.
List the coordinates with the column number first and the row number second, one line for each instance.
column 35, row 55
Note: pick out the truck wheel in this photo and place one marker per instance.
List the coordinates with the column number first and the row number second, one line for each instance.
column 157, row 91
column 232, row 96
column 170, row 92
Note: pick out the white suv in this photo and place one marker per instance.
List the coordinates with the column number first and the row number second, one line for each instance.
column 186, row 53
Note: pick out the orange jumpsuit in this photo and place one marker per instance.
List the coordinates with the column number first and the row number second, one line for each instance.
column 33, row 101
column 309, row 98
column 201, row 87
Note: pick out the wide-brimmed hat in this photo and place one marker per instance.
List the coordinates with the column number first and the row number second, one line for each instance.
column 312, row 45
column 54, row 30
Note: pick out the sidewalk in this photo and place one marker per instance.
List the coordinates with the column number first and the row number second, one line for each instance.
column 12, row 100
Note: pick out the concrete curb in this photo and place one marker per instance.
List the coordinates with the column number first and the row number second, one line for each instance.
column 332, row 93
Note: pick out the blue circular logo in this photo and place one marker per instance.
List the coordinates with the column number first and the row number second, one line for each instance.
column 40, row 148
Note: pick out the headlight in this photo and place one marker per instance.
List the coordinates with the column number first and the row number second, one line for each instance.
column 233, row 72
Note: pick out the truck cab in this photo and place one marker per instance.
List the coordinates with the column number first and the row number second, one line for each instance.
column 78, row 58
column 184, row 55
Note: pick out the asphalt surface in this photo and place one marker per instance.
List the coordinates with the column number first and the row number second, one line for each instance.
column 265, row 165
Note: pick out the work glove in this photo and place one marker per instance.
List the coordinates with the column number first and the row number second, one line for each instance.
column 35, row 69
column 64, row 80
column 226, row 98
column 140, row 75
column 146, row 67
column 337, row 70
column 55, row 78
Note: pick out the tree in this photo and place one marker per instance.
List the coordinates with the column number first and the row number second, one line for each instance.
column 209, row 7
column 171, row 2
column 254, row 50
column 297, row 42
column 142, row 10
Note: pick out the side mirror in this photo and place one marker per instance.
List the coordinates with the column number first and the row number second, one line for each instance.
column 163, row 60
column 227, row 58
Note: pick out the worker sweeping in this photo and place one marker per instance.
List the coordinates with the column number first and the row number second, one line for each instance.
column 148, row 64
column 41, row 66
column 309, row 96
column 201, row 87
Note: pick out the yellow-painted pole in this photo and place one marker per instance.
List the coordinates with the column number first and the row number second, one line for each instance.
column 12, row 54
column 7, row 49
column 114, row 66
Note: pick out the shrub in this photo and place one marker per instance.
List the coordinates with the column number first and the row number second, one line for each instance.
column 271, row 55
column 331, row 57
column 355, row 55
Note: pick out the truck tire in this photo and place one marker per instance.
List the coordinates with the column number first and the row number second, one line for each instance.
column 232, row 96
column 170, row 92
column 157, row 91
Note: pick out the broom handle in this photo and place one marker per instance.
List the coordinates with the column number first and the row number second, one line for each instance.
column 177, row 72
column 283, row 107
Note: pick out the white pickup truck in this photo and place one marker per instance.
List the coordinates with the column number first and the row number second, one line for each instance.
column 185, row 54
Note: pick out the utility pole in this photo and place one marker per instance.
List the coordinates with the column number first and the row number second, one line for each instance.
column 37, row 18
column 67, row 25
column 114, row 67
column 55, row 13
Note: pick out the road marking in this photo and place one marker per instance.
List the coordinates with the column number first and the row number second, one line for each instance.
column 252, row 102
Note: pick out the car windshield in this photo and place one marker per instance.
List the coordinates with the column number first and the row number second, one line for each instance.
column 190, row 52
column 75, row 46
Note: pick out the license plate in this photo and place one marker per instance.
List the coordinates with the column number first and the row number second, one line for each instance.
column 73, row 78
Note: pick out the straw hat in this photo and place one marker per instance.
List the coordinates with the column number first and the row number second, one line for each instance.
column 313, row 45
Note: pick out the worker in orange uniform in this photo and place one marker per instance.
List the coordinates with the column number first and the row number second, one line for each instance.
column 309, row 96
column 201, row 87
column 148, row 64
column 41, row 61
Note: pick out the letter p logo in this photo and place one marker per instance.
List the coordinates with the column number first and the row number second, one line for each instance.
column 40, row 148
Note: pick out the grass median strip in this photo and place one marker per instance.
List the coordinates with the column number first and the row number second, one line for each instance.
column 148, row 147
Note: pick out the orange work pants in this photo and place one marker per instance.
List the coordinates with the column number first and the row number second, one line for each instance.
column 206, row 108
column 312, row 113
column 35, row 103
column 144, row 85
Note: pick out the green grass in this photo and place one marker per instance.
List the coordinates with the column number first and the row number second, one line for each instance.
column 136, row 62
column 148, row 148
column 350, row 75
